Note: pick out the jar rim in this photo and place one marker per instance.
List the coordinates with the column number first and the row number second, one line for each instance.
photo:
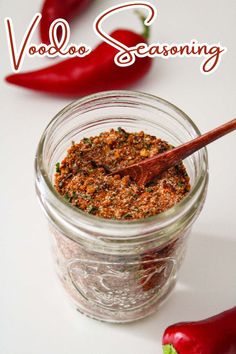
column 90, row 219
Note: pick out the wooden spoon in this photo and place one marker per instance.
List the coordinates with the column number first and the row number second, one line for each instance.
column 144, row 171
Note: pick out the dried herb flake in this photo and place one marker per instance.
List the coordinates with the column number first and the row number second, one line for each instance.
column 58, row 168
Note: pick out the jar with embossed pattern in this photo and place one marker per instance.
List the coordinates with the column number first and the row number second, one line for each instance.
column 117, row 270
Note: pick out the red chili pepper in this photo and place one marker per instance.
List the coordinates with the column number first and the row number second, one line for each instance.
column 214, row 335
column 53, row 9
column 93, row 73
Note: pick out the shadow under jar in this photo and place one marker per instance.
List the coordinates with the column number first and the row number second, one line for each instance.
column 118, row 271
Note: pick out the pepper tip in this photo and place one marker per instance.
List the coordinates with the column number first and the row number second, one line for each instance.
column 9, row 79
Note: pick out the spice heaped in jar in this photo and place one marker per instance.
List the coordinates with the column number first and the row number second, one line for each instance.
column 117, row 270
column 83, row 177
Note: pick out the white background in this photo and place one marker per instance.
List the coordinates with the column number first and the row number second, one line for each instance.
column 35, row 318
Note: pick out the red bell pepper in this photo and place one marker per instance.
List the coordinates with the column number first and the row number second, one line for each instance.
column 214, row 335
column 96, row 72
column 53, row 9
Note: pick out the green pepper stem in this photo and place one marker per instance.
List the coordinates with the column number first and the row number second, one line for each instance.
column 146, row 29
column 169, row 349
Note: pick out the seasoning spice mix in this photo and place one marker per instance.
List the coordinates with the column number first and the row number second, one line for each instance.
column 83, row 179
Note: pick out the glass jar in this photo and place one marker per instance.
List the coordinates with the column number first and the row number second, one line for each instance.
column 118, row 271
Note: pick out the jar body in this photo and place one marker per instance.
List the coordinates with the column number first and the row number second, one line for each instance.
column 118, row 271
column 117, row 288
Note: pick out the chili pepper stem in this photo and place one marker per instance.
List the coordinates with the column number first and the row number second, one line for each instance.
column 169, row 349
column 146, row 29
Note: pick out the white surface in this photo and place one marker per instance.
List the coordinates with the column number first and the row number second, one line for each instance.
column 34, row 316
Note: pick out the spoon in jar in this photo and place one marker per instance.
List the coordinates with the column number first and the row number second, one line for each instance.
column 144, row 171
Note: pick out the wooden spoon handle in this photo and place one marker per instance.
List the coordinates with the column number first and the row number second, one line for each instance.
column 144, row 171
column 172, row 157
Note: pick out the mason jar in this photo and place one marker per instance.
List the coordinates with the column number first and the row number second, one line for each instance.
column 118, row 270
